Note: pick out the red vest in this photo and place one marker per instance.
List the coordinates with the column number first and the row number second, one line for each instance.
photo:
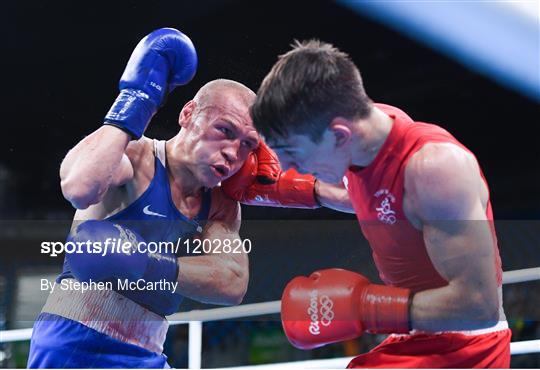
column 376, row 193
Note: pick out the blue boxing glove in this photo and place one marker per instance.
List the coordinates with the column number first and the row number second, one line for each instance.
column 163, row 60
column 132, row 264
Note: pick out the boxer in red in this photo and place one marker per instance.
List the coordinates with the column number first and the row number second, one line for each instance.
column 421, row 201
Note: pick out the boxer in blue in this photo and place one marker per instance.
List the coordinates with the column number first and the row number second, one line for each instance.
column 128, row 187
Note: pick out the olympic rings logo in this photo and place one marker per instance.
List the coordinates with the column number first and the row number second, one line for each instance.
column 327, row 315
column 325, row 311
column 387, row 219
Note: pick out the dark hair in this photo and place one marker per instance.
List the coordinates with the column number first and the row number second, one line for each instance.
column 308, row 87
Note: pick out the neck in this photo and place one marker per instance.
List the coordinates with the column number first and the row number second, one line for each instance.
column 180, row 175
column 371, row 133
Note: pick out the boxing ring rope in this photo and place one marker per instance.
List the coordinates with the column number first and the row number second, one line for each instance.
column 195, row 319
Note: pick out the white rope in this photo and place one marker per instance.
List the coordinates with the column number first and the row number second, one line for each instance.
column 330, row 363
column 526, row 346
column 521, row 276
column 213, row 314
column 15, row 335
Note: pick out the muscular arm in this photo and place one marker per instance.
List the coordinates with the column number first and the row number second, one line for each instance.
column 96, row 163
column 333, row 196
column 445, row 191
column 220, row 278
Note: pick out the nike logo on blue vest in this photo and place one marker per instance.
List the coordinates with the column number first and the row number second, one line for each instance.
column 147, row 211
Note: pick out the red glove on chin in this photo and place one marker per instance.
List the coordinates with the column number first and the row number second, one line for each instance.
column 262, row 182
column 334, row 305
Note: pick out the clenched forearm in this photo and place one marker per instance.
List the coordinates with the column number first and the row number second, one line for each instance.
column 454, row 307
column 217, row 279
column 333, row 196
column 90, row 167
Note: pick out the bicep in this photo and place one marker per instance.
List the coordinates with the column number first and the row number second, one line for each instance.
column 223, row 228
column 220, row 276
column 446, row 190
column 225, row 214
column 462, row 253
column 462, row 250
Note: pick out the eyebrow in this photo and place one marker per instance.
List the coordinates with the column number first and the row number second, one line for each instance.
column 230, row 123
column 236, row 127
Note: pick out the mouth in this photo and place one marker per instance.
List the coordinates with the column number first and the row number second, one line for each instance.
column 220, row 170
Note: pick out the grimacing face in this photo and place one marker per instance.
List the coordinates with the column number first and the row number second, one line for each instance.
column 325, row 160
column 220, row 140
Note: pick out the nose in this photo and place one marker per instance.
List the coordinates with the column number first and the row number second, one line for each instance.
column 230, row 152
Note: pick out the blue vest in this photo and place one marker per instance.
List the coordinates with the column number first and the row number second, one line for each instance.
column 155, row 217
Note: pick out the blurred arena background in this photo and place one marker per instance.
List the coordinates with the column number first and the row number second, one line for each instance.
column 61, row 63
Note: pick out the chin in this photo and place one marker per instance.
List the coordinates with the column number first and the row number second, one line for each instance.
column 211, row 181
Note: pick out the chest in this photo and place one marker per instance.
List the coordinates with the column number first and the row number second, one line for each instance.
column 160, row 189
column 380, row 197
column 189, row 206
column 150, row 211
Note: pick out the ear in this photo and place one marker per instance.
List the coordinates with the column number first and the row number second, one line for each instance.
column 341, row 129
column 186, row 114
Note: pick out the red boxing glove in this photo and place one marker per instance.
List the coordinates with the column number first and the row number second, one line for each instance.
column 262, row 182
column 334, row 305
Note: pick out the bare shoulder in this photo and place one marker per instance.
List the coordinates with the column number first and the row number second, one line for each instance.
column 141, row 155
column 442, row 180
column 436, row 161
column 140, row 151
